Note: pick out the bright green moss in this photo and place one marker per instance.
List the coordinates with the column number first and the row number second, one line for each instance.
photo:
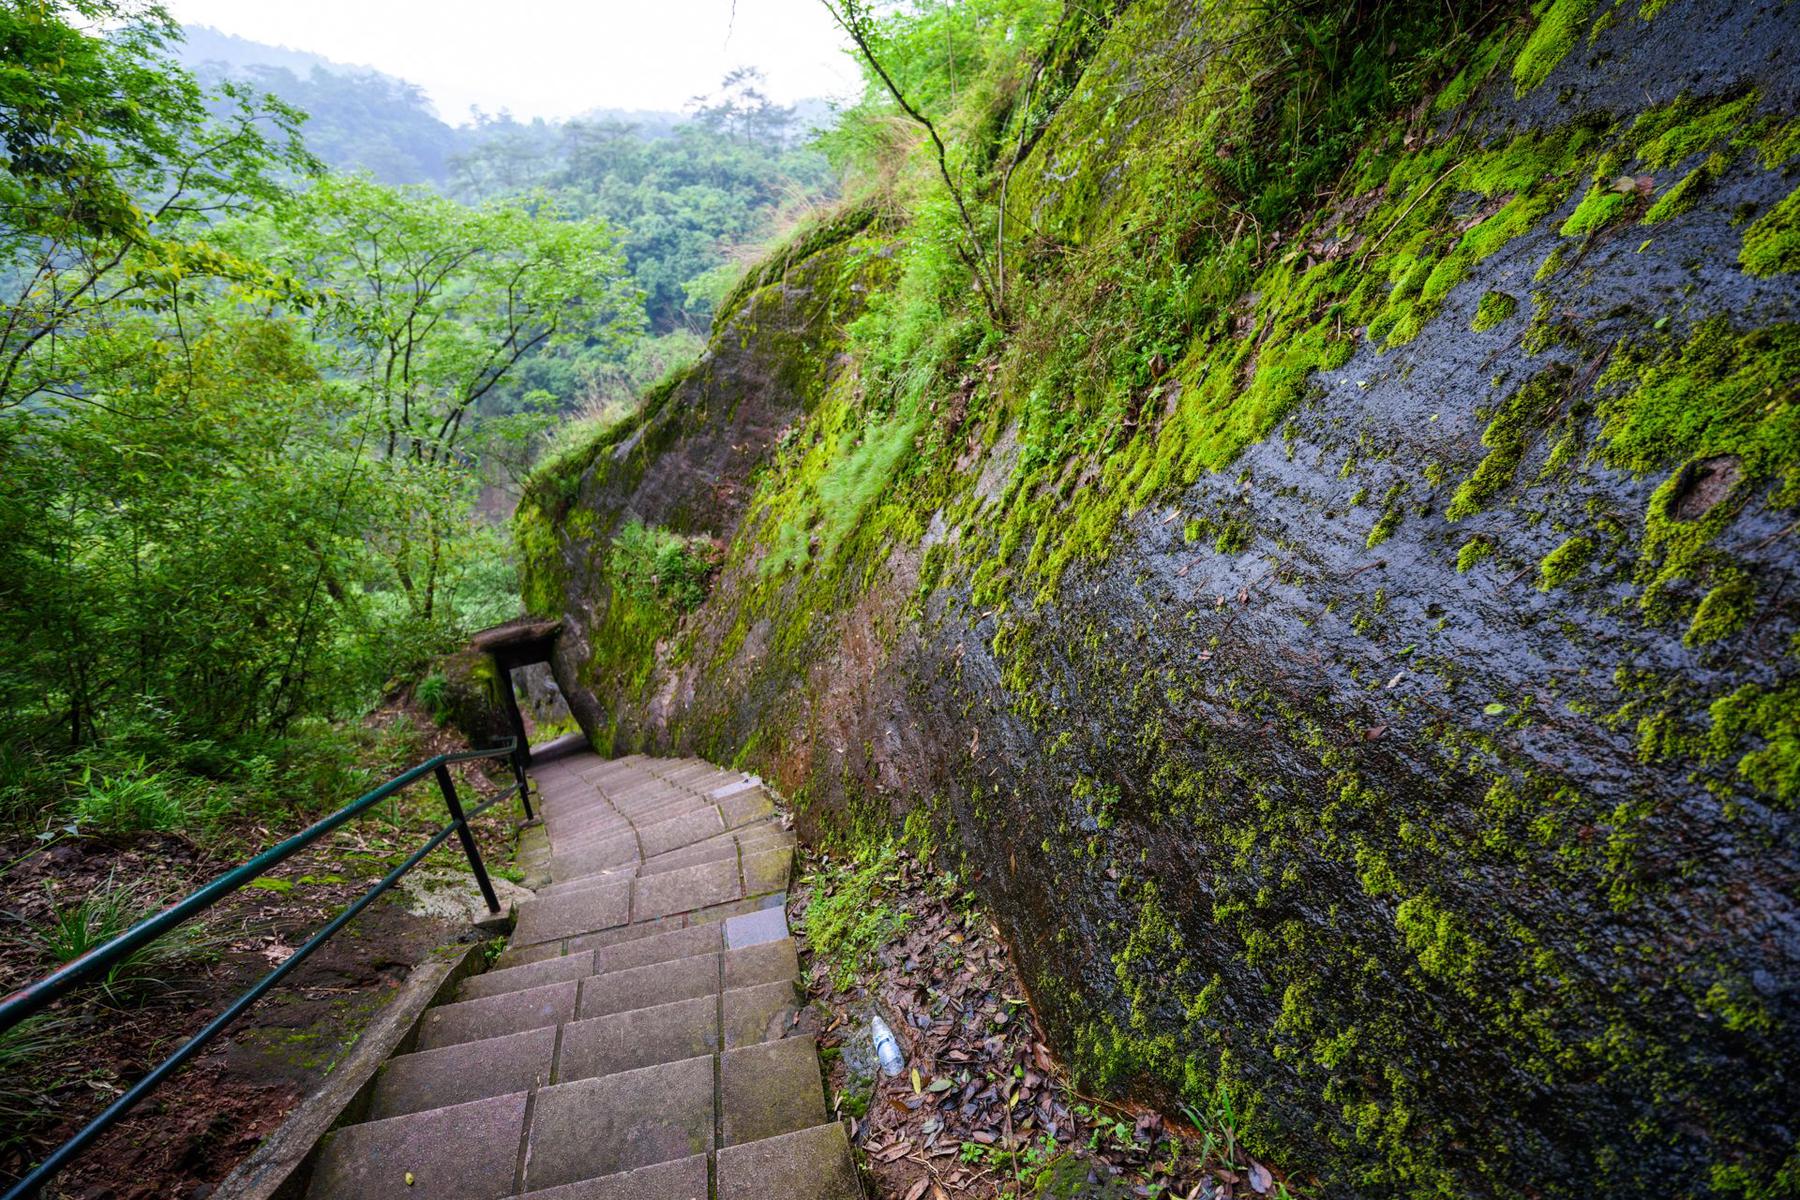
column 541, row 575
column 1506, row 439
column 1684, row 194
column 1440, row 938
column 1391, row 514
column 1558, row 29
column 1724, row 610
column 1564, row 563
column 1719, row 392
column 1773, row 140
column 1597, row 209
column 1494, row 308
column 1670, row 134
column 1720, row 407
column 1772, row 243
column 1472, row 553
column 1771, row 717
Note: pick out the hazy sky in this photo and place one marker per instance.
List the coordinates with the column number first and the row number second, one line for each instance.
column 553, row 58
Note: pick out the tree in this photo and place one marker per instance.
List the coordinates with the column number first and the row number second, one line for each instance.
column 432, row 306
column 182, row 547
column 113, row 168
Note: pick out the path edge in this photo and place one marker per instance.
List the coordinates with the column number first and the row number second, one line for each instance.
column 281, row 1166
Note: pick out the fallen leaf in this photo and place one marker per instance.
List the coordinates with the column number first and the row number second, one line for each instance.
column 918, row 1188
column 1259, row 1177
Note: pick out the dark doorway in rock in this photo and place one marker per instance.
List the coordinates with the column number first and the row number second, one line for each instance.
column 521, row 643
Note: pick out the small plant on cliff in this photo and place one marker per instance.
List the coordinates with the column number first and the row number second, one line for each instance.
column 655, row 564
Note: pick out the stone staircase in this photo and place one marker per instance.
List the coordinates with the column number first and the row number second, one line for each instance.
column 630, row 1043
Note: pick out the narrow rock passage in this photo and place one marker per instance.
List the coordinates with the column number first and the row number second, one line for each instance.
column 630, row 1041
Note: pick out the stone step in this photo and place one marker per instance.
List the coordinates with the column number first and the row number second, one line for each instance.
column 552, row 969
column 751, row 839
column 599, row 907
column 767, row 909
column 517, row 1062
column 757, row 837
column 807, row 1164
column 597, row 1127
column 496, row 1016
column 749, row 962
column 682, row 1179
column 606, row 1124
column 458, row 1152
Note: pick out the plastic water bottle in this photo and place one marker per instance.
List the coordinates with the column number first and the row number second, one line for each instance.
column 887, row 1047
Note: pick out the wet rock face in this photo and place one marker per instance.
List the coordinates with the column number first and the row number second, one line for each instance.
column 1425, row 777
column 539, row 697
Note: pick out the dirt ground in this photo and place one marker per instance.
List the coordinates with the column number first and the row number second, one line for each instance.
column 193, row 1130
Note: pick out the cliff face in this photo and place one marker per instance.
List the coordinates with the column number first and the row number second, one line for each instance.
column 1358, row 649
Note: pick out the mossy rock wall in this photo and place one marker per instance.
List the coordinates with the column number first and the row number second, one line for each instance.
column 472, row 699
column 1385, row 706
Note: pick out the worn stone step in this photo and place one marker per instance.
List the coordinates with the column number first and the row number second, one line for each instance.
column 749, row 840
column 683, row 1179
column 807, row 1164
column 582, row 883
column 745, row 806
column 552, row 969
column 458, row 1152
column 600, row 907
column 639, row 1037
column 641, row 987
column 692, row 825
column 518, row 956
column 586, row 858
column 765, row 871
column 676, row 940
column 466, row 1071
column 592, row 1128
column 496, row 1016
column 761, row 1013
column 767, row 924
column 591, row 821
column 669, row 808
column 770, row 1089
column 685, row 889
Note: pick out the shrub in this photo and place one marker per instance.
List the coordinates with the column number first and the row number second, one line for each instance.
column 653, row 563
column 434, row 693
column 133, row 800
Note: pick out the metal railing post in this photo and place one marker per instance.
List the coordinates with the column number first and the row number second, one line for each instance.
column 518, row 766
column 468, row 838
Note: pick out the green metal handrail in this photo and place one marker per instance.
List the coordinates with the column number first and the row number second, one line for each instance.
column 36, row 996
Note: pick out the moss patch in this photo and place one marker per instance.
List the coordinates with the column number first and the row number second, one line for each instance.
column 1772, row 242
